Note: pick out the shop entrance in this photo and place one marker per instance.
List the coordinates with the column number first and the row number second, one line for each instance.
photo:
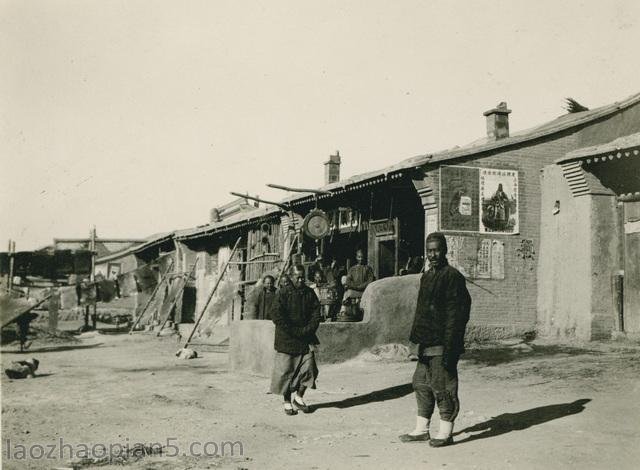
column 387, row 257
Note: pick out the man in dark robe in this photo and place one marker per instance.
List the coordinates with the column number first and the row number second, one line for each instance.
column 442, row 313
column 296, row 314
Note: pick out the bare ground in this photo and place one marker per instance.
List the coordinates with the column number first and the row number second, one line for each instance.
column 523, row 407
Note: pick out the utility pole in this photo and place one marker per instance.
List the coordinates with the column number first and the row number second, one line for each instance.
column 12, row 250
column 93, row 274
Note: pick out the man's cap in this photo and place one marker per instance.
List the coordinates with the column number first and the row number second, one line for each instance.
column 438, row 237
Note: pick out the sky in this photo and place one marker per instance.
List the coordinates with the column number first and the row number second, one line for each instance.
column 139, row 116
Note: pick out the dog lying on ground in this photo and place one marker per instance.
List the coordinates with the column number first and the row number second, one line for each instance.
column 22, row 369
column 186, row 354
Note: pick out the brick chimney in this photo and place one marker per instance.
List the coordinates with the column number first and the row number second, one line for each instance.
column 332, row 169
column 498, row 122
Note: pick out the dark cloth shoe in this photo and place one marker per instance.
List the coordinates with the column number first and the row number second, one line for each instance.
column 441, row 442
column 417, row 438
column 290, row 411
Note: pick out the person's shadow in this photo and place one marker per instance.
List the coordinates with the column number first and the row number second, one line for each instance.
column 508, row 422
column 397, row 391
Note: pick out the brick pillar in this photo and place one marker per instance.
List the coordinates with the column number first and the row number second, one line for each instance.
column 425, row 189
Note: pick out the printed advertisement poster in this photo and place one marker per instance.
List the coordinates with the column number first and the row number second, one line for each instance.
column 499, row 196
column 459, row 199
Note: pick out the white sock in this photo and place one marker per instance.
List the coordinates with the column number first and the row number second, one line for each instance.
column 422, row 426
column 445, row 430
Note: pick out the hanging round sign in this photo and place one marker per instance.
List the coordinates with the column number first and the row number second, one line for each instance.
column 316, row 224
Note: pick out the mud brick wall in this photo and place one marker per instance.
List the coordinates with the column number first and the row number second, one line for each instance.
column 508, row 307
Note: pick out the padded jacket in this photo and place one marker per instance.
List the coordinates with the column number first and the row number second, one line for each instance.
column 296, row 314
column 442, row 311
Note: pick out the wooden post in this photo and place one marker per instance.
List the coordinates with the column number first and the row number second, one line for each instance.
column 213, row 291
column 155, row 291
column 12, row 252
column 94, row 316
column 286, row 261
column 617, row 284
column 53, row 307
column 178, row 294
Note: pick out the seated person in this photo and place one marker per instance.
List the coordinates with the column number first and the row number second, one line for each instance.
column 317, row 266
column 319, row 281
column 358, row 278
column 261, row 304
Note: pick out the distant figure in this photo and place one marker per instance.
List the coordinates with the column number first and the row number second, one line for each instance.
column 326, row 294
column 358, row 278
column 442, row 313
column 319, row 282
column 296, row 314
column 22, row 369
column 360, row 275
column 262, row 304
column 23, row 322
column 317, row 266
column 285, row 282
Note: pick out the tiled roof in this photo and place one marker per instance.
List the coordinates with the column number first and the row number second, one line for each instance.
column 150, row 241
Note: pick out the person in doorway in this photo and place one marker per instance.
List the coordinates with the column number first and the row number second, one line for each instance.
column 442, row 313
column 262, row 303
column 360, row 275
column 358, row 278
column 296, row 314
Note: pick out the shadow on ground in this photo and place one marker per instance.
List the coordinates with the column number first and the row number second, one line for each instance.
column 509, row 422
column 43, row 349
column 391, row 393
column 494, row 356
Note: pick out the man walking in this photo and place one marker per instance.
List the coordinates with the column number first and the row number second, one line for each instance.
column 441, row 316
column 296, row 314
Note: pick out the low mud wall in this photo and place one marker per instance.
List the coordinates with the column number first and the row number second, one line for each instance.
column 389, row 306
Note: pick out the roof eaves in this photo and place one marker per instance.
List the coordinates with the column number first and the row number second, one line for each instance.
column 625, row 144
column 225, row 226
column 132, row 250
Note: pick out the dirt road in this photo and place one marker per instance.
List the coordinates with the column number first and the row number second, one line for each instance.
column 523, row 407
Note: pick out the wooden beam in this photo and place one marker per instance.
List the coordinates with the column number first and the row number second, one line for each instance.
column 299, row 190
column 279, row 204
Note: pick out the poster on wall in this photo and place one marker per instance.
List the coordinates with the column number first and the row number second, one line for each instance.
column 459, row 199
column 499, row 196
column 481, row 200
column 113, row 270
column 476, row 258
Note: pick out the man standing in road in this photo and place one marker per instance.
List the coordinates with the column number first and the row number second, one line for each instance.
column 441, row 316
column 296, row 314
